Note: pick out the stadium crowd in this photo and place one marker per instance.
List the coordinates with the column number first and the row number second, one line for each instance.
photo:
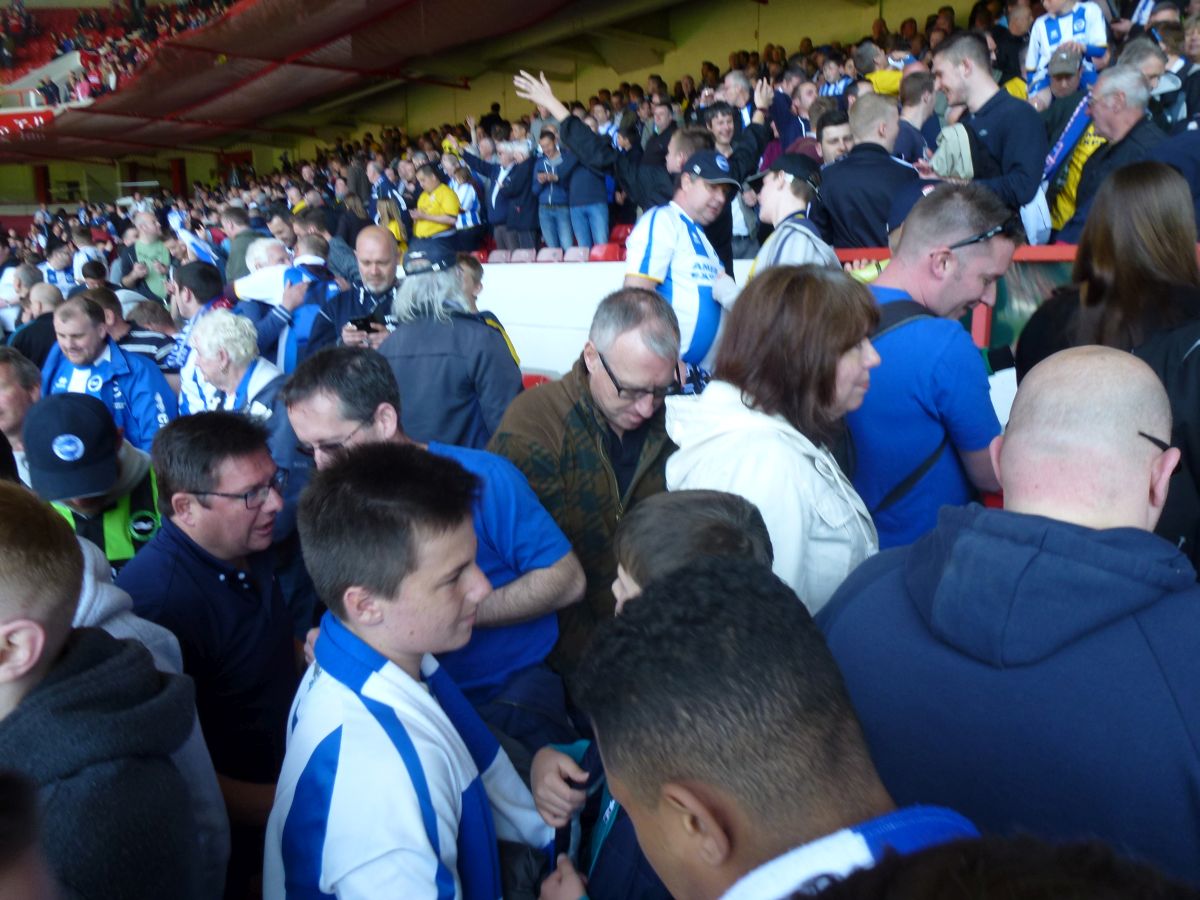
column 305, row 593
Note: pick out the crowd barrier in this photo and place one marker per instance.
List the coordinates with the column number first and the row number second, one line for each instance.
column 548, row 307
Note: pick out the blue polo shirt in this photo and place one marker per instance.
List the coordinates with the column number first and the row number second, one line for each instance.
column 931, row 383
column 236, row 638
column 516, row 535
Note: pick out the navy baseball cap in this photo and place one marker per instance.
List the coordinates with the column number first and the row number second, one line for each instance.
column 434, row 255
column 797, row 165
column 71, row 445
column 710, row 166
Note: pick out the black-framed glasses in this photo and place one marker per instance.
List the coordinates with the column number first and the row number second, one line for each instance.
column 256, row 496
column 1164, row 447
column 331, row 448
column 1008, row 228
column 630, row 393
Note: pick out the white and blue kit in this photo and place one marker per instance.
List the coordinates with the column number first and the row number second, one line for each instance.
column 669, row 248
column 1084, row 24
column 131, row 386
column 391, row 787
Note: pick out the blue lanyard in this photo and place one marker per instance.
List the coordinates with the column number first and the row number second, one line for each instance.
column 240, row 397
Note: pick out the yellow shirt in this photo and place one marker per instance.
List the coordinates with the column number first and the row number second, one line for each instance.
column 1017, row 87
column 442, row 202
column 886, row 81
column 1064, row 200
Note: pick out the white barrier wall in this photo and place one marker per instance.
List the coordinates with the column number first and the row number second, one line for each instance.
column 547, row 308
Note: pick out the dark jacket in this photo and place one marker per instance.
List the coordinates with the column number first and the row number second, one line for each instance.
column 1175, row 358
column 1011, row 131
column 522, row 204
column 456, row 378
column 36, row 339
column 586, row 187
column 650, row 186
column 1054, row 325
column 557, row 437
column 554, row 193
column 856, row 196
column 1134, row 147
column 355, row 303
column 1183, row 153
column 235, row 266
column 1036, row 676
column 495, row 207
column 96, row 737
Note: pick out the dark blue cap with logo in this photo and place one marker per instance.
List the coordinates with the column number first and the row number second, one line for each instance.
column 71, row 445
column 710, row 166
column 433, row 255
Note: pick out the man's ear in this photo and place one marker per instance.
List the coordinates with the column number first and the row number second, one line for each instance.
column 1160, row 478
column 183, row 507
column 387, row 421
column 994, row 449
column 698, row 827
column 591, row 356
column 362, row 607
column 22, row 642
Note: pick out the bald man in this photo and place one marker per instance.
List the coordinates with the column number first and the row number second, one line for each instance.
column 361, row 315
column 1035, row 667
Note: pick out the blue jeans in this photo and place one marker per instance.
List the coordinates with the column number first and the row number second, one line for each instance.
column 556, row 226
column 590, row 223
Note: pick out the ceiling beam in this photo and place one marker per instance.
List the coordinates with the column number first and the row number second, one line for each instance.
column 292, row 57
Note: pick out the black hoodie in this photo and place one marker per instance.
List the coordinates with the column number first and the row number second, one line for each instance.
column 96, row 736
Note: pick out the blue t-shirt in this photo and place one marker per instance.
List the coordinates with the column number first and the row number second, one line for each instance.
column 930, row 384
column 516, row 535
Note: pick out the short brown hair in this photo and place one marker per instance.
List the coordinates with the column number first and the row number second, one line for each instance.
column 43, row 565
column 914, row 86
column 104, row 298
column 674, row 529
column 470, row 265
column 783, row 340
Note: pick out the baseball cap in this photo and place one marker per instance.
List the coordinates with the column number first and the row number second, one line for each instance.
column 710, row 166
column 71, row 445
column 434, row 255
column 1065, row 62
column 797, row 165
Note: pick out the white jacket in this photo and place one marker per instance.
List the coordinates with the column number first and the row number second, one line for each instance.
column 820, row 529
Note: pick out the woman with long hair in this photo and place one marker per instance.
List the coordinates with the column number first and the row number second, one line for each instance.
column 794, row 358
column 1135, row 271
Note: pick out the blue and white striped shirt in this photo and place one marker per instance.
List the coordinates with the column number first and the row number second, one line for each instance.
column 468, row 206
column 391, row 787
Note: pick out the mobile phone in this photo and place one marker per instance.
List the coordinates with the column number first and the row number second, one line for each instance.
column 363, row 323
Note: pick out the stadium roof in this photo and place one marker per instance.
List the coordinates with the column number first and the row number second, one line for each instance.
column 237, row 78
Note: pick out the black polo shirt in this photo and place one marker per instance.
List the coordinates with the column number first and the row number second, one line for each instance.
column 236, row 638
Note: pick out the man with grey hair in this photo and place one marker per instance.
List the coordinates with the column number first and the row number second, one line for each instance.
column 1009, row 641
column 594, row 443
column 20, row 388
column 739, row 94
column 36, row 337
column 455, row 369
column 1119, row 102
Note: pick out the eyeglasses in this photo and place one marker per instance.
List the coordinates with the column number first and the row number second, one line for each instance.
column 628, row 393
column 1007, row 228
column 1163, row 446
column 255, row 497
column 331, row 448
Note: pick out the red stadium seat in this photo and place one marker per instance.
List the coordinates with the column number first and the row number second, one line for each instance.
column 481, row 255
column 607, row 253
column 576, row 254
column 523, row 256
column 533, row 379
column 550, row 254
column 620, row 234
column 498, row 256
